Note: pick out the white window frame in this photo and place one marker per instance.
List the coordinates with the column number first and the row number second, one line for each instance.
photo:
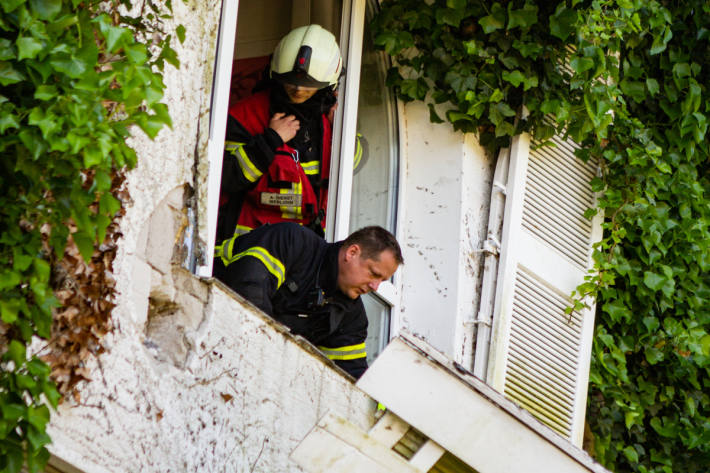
column 218, row 124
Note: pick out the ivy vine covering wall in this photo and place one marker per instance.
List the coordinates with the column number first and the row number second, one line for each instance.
column 76, row 77
column 628, row 79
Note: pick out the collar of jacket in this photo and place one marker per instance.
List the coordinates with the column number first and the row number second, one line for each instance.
column 328, row 278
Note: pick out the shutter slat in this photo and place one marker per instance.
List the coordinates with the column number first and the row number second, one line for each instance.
column 550, row 300
column 557, row 193
column 537, row 336
column 554, row 373
column 558, row 182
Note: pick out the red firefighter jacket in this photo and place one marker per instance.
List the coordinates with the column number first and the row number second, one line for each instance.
column 265, row 180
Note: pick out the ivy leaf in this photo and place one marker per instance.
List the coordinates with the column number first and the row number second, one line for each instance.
column 37, row 438
column 9, row 310
column 15, row 459
column 137, row 53
column 9, row 5
column 7, row 50
column 496, row 96
column 8, row 120
column 46, row 9
column 670, row 431
column 448, row 16
column 85, row 243
column 631, row 454
column 660, row 42
column 581, row 64
column 28, row 47
column 652, row 86
column 653, row 280
column 180, row 31
column 634, row 89
column 150, row 124
column 93, row 155
column 116, row 37
column 653, row 355
column 681, row 69
column 504, row 128
column 527, row 49
column 38, row 416
column 494, row 21
column 414, row 88
column 454, row 116
column 53, row 396
column 524, row 17
column 109, row 205
column 71, row 66
column 433, row 116
column 563, row 23
column 515, row 77
column 388, row 41
column 17, row 353
column 460, row 83
column 46, row 92
column 161, row 113
column 9, row 75
column 651, row 324
column 617, row 310
column 46, row 121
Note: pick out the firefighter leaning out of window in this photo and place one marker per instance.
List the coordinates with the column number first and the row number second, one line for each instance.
column 274, row 182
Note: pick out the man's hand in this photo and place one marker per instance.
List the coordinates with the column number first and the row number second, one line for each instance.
column 285, row 125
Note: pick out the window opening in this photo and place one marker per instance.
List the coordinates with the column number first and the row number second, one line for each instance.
column 360, row 193
column 249, row 31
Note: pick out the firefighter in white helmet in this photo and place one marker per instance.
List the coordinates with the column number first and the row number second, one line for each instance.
column 277, row 148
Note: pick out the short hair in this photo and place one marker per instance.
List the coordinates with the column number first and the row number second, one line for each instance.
column 373, row 240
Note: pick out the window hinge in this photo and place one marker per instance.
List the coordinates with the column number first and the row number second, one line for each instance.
column 490, row 247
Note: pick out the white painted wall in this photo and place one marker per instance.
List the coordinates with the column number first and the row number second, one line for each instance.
column 242, row 399
column 445, row 205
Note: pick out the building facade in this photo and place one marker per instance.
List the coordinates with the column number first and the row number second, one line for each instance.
column 196, row 379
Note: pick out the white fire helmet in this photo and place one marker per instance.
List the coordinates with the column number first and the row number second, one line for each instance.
column 308, row 56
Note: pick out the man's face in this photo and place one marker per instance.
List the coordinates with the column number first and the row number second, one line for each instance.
column 358, row 275
column 299, row 94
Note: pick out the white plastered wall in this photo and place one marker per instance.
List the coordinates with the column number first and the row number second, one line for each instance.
column 444, row 209
column 192, row 378
column 242, row 399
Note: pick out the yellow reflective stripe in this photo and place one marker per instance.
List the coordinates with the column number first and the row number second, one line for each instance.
column 218, row 250
column 358, row 152
column 224, row 249
column 350, row 352
column 236, row 149
column 311, row 167
column 242, row 229
column 273, row 265
column 292, row 212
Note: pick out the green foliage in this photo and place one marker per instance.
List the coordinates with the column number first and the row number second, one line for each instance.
column 74, row 80
column 629, row 81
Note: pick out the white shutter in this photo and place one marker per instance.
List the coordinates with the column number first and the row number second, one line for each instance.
column 539, row 356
